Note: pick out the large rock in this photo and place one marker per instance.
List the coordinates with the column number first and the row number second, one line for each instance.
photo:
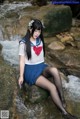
column 65, row 37
column 58, row 19
column 68, row 59
column 56, row 45
column 34, row 94
column 7, row 87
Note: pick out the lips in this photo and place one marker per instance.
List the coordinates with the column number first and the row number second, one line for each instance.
column 36, row 36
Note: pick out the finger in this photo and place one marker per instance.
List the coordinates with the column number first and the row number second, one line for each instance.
column 20, row 84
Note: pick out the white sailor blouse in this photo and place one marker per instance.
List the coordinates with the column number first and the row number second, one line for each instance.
column 37, row 54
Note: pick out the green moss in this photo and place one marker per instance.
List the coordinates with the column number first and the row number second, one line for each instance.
column 11, row 14
column 44, row 95
column 57, row 20
column 31, row 8
column 7, row 84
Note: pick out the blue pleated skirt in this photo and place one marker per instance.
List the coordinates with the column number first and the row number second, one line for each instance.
column 32, row 72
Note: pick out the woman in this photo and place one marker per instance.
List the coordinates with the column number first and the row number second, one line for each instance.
column 33, row 69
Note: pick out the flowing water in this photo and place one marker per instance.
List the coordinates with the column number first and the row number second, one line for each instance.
column 5, row 8
column 10, row 50
column 10, row 54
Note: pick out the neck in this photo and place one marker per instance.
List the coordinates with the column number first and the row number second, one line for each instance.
column 32, row 39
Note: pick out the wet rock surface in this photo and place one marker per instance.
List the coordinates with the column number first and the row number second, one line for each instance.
column 65, row 55
column 7, row 87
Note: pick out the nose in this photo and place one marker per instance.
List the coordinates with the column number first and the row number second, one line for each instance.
column 37, row 34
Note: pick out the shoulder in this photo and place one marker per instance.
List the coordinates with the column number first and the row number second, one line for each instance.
column 22, row 44
column 22, row 41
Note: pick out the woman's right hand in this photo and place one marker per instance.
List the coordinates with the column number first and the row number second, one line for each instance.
column 20, row 81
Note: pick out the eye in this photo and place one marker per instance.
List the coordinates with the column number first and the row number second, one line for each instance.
column 38, row 31
column 35, row 30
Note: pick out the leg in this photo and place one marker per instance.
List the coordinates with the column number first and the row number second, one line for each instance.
column 46, row 84
column 51, row 71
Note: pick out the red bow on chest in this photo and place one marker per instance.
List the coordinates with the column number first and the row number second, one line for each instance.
column 37, row 50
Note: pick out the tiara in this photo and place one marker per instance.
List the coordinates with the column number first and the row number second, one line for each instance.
column 31, row 22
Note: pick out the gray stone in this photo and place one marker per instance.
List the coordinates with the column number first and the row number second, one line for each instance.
column 35, row 94
column 56, row 45
column 7, row 87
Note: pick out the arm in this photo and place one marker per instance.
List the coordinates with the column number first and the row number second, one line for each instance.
column 21, row 66
column 21, row 62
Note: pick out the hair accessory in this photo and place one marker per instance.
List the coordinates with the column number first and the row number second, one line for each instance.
column 30, row 23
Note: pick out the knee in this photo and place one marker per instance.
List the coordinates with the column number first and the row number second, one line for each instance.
column 53, row 69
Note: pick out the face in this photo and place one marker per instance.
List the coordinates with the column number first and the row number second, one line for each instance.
column 36, row 34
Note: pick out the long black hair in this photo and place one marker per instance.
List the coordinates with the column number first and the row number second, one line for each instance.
column 36, row 25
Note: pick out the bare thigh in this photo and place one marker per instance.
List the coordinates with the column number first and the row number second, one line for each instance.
column 44, row 83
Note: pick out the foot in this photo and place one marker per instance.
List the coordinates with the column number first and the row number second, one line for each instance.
column 69, row 116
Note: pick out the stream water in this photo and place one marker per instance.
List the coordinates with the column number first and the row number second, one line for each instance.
column 12, row 6
column 10, row 50
column 10, row 54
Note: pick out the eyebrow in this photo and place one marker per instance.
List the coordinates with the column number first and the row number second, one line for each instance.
column 38, row 30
